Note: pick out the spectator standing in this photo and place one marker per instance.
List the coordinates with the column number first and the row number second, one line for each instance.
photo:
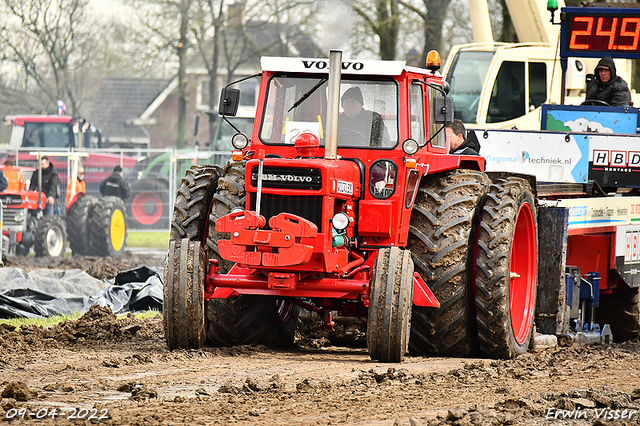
column 458, row 142
column 80, row 188
column 15, row 180
column 50, row 182
column 115, row 185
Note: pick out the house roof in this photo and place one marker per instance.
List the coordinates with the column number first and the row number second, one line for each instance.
column 121, row 100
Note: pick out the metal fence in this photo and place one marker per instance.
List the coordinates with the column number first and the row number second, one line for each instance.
column 154, row 176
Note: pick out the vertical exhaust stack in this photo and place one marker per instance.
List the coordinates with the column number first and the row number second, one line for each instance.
column 335, row 68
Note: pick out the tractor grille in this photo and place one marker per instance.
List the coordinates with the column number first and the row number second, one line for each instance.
column 309, row 207
column 11, row 199
column 288, row 178
column 12, row 218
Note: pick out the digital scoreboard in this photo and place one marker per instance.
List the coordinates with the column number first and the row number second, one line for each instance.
column 599, row 31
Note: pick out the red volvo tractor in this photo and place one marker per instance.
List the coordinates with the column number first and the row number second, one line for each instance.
column 382, row 223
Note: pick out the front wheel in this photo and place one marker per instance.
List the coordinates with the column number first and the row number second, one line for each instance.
column 50, row 237
column 389, row 316
column 183, row 295
column 507, row 269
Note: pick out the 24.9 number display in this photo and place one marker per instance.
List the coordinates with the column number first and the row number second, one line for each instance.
column 590, row 31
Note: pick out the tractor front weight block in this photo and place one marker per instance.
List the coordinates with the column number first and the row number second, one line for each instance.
column 252, row 246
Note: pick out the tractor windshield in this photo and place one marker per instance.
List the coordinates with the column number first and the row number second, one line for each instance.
column 48, row 135
column 298, row 104
column 466, row 78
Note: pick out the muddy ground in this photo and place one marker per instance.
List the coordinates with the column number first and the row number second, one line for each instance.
column 120, row 372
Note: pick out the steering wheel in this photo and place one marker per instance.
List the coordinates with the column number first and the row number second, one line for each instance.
column 353, row 137
column 594, row 102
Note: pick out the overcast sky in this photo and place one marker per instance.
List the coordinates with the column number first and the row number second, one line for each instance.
column 110, row 8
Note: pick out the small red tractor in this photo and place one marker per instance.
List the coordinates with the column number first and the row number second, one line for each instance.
column 93, row 226
column 440, row 257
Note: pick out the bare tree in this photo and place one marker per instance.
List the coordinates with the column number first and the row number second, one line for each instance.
column 166, row 33
column 230, row 35
column 384, row 22
column 49, row 43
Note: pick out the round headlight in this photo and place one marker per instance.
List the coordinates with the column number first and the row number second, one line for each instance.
column 340, row 221
column 239, row 141
column 410, row 146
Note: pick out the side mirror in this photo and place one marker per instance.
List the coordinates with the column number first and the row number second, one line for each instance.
column 229, row 101
column 443, row 109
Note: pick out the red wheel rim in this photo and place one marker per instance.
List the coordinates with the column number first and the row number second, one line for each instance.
column 146, row 208
column 523, row 270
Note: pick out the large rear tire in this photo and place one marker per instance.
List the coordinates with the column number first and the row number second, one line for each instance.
column 442, row 242
column 50, row 237
column 389, row 315
column 621, row 310
column 149, row 207
column 183, row 304
column 245, row 319
column 107, row 227
column 507, row 269
column 191, row 209
column 230, row 195
column 78, row 225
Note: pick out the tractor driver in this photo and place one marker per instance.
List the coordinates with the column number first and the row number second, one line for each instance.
column 50, row 182
column 358, row 126
column 606, row 86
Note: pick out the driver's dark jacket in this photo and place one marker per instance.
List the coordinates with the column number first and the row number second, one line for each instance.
column 50, row 182
column 468, row 147
column 368, row 123
column 615, row 92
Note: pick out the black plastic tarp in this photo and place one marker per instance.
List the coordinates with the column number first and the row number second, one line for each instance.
column 46, row 293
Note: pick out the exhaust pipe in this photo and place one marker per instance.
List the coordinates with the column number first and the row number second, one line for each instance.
column 333, row 108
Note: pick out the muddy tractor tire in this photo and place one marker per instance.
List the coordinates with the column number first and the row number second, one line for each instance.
column 507, row 269
column 78, row 225
column 230, row 195
column 250, row 320
column 389, row 315
column 50, row 237
column 183, row 295
column 442, row 242
column 149, row 208
column 107, row 227
column 621, row 310
column 244, row 319
column 191, row 209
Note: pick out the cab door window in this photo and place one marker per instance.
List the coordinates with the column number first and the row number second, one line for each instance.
column 508, row 93
column 417, row 113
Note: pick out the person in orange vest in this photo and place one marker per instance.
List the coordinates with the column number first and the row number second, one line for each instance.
column 14, row 177
column 81, row 186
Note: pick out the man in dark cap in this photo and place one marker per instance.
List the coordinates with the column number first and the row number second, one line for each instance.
column 358, row 126
column 606, row 85
column 115, row 185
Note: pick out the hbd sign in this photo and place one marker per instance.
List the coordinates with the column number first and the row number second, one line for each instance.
column 615, row 158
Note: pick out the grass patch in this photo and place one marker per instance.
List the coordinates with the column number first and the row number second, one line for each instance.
column 151, row 239
column 46, row 322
